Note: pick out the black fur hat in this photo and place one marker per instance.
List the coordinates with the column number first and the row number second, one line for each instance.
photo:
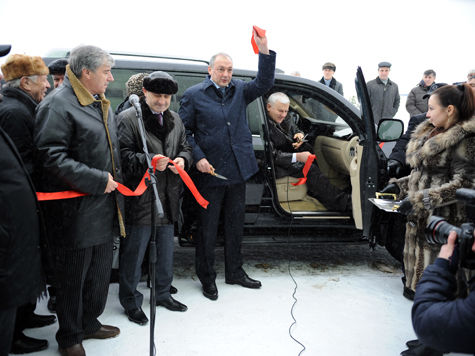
column 160, row 83
column 58, row 66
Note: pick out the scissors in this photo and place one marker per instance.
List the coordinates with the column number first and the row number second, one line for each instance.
column 213, row 173
column 303, row 139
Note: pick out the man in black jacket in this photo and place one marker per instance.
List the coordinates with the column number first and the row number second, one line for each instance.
column 26, row 85
column 291, row 152
column 166, row 138
column 78, row 150
column 440, row 321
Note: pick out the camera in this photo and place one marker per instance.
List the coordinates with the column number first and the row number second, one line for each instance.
column 438, row 229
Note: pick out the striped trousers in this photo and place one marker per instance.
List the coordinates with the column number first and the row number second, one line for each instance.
column 83, row 277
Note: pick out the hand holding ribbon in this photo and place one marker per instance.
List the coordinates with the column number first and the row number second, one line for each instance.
column 305, row 170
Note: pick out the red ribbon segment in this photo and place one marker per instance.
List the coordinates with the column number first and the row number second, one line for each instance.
column 261, row 33
column 305, row 170
column 141, row 188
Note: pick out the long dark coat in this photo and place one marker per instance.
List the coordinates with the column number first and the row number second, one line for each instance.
column 384, row 99
column 17, row 118
column 21, row 277
column 171, row 143
column 440, row 165
column 72, row 135
column 217, row 128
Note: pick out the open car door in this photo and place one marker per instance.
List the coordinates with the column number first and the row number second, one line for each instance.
column 370, row 170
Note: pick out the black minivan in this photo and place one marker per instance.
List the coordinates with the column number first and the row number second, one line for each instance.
column 345, row 141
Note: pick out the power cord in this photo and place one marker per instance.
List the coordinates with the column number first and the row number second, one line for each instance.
column 291, row 276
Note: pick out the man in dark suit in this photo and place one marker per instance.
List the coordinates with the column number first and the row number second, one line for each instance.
column 214, row 114
column 291, row 152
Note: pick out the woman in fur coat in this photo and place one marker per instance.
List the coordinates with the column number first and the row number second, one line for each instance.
column 441, row 154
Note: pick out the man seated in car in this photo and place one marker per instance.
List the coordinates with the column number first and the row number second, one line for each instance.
column 290, row 152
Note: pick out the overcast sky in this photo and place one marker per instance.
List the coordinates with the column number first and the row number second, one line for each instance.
column 414, row 35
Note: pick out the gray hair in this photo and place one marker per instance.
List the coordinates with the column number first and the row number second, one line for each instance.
column 15, row 83
column 88, row 57
column 278, row 97
column 213, row 59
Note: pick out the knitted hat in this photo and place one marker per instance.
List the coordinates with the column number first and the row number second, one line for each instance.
column 20, row 65
column 134, row 84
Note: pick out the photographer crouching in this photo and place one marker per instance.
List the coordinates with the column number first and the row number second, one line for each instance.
column 441, row 321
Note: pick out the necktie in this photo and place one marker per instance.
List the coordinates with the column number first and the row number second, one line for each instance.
column 160, row 118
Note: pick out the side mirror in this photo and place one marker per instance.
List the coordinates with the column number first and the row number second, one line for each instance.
column 389, row 130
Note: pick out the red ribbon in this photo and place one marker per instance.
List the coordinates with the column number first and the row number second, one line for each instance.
column 141, row 187
column 261, row 33
column 305, row 170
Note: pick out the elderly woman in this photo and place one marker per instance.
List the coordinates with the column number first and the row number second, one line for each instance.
column 441, row 154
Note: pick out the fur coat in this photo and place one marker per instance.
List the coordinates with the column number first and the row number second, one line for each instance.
column 440, row 165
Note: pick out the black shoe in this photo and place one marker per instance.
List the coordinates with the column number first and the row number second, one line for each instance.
column 137, row 316
column 408, row 293
column 52, row 304
column 172, row 304
column 245, row 281
column 210, row 291
column 173, row 290
column 38, row 321
column 413, row 343
column 26, row 345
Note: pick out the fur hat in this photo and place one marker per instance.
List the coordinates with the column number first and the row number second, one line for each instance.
column 58, row 66
column 20, row 65
column 160, row 83
column 134, row 84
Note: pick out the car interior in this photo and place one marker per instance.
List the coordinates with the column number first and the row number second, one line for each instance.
column 338, row 155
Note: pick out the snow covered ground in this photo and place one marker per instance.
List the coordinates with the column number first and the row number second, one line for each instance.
column 349, row 302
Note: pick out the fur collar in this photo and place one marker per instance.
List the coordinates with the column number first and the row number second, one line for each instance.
column 151, row 124
column 85, row 98
column 421, row 147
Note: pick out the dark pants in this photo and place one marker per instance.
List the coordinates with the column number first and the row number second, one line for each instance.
column 7, row 322
column 230, row 200
column 132, row 251
column 82, row 277
column 320, row 188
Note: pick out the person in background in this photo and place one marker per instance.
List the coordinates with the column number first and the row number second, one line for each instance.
column 26, row 86
column 214, row 114
column 416, row 102
column 57, row 70
column 78, row 150
column 166, row 138
column 384, row 94
column 133, row 85
column 328, row 78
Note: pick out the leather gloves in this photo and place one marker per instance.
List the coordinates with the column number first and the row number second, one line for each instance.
column 394, row 168
column 391, row 188
column 405, row 207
